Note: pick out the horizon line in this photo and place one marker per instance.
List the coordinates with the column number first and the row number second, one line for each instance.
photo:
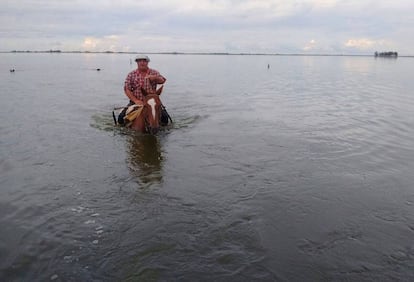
column 193, row 53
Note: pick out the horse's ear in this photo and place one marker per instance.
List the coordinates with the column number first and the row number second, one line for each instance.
column 144, row 92
column 159, row 90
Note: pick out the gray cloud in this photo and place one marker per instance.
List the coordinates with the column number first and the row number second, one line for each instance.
column 208, row 26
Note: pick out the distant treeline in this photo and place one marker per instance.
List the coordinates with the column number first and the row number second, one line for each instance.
column 377, row 54
column 386, row 54
column 27, row 51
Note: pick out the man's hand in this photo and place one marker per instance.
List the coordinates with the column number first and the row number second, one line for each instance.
column 152, row 77
column 159, row 79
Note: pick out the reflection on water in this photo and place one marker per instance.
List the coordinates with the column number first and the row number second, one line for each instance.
column 144, row 158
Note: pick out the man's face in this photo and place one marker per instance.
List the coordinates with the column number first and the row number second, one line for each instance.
column 142, row 64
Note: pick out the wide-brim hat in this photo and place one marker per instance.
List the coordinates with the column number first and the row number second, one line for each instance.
column 142, row 57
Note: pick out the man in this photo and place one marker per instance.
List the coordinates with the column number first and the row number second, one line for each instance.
column 143, row 77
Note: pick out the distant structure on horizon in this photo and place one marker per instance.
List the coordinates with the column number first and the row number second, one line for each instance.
column 386, row 54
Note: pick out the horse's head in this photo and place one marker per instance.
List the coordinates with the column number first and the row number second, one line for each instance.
column 152, row 110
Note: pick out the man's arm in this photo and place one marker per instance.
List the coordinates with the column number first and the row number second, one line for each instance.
column 131, row 96
column 157, row 78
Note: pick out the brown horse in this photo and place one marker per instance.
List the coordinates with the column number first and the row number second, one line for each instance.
column 148, row 121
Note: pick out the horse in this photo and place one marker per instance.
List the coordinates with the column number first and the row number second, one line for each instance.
column 148, row 119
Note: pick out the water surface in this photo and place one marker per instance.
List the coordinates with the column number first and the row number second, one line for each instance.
column 297, row 172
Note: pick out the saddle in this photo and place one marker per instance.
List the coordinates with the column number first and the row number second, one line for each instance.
column 132, row 113
column 128, row 114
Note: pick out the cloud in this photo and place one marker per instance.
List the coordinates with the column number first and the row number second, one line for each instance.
column 323, row 4
column 90, row 43
column 360, row 43
column 106, row 43
column 208, row 25
column 310, row 45
column 364, row 43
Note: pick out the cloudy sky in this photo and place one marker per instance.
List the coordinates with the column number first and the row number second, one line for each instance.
column 248, row 26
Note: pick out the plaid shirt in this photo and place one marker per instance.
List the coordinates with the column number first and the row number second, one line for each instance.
column 135, row 80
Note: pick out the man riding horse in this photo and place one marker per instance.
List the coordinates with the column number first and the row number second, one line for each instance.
column 141, row 78
column 139, row 85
